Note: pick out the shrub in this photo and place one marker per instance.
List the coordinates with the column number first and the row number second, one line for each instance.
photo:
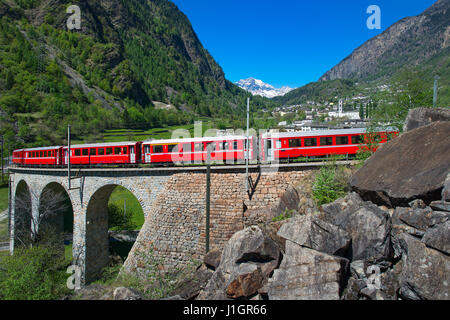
column 284, row 216
column 117, row 220
column 34, row 273
column 331, row 184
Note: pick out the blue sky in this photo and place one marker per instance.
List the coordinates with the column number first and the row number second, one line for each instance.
column 288, row 42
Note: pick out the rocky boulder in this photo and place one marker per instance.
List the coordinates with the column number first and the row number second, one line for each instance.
column 411, row 166
column 421, row 117
column 368, row 226
column 426, row 272
column 306, row 274
column 247, row 261
column 438, row 237
column 314, row 233
column 123, row 293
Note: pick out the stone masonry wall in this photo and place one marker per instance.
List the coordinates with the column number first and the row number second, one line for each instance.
column 175, row 228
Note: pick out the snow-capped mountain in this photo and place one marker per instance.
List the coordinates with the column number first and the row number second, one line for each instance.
column 257, row 87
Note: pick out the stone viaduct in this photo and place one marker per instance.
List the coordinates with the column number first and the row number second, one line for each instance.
column 173, row 202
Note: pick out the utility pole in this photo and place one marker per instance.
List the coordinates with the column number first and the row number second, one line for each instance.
column 435, row 95
column 68, row 156
column 208, row 197
column 247, row 154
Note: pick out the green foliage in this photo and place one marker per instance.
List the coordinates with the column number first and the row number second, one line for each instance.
column 36, row 273
column 133, row 207
column 117, row 220
column 409, row 90
column 331, row 183
column 284, row 216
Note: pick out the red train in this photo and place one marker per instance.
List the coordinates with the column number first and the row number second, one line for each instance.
column 229, row 149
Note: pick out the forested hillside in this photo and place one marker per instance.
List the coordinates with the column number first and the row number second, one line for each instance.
column 127, row 55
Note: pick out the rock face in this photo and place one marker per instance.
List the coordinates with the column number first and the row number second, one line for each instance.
column 410, row 41
column 123, row 293
column 438, row 237
column 412, row 166
column 421, row 117
column 247, row 260
column 426, row 272
column 314, row 233
column 368, row 226
column 306, row 274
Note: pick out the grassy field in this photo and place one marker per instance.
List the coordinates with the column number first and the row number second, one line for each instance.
column 3, row 198
column 4, row 236
column 119, row 196
column 120, row 135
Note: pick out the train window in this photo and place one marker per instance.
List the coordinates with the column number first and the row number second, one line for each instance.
column 41, row 154
column 85, row 152
column 146, row 149
column 198, row 147
column 235, row 145
column 117, row 150
column 310, row 142
column 158, row 149
column 326, row 141
column 109, row 151
column 77, row 152
column 93, row 152
column 125, row 150
column 357, row 139
column 295, row 143
column 341, row 140
column 101, row 151
column 278, row 144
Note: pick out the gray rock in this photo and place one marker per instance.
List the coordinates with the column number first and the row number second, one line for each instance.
column 446, row 190
column 368, row 226
column 212, row 258
column 191, row 286
column 440, row 206
column 421, row 117
column 314, row 233
column 417, row 204
column 248, row 259
column 123, row 293
column 426, row 272
column 411, row 166
column 438, row 237
column 306, row 274
column 416, row 221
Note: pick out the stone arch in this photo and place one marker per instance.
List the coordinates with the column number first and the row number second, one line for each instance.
column 96, row 230
column 22, row 214
column 56, row 209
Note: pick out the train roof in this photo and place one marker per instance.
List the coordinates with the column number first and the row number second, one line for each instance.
column 202, row 139
column 314, row 133
column 40, row 148
column 99, row 145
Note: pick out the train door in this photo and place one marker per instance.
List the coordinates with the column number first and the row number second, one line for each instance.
column 147, row 154
column 132, row 154
column 268, row 150
column 66, row 157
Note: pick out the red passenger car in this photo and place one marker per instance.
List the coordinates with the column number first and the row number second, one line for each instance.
column 104, row 153
column 47, row 156
column 291, row 145
column 228, row 149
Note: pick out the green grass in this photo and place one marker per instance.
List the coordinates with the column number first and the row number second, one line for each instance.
column 3, row 198
column 4, row 236
column 68, row 253
column 119, row 195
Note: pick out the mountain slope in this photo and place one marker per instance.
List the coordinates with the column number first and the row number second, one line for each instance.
column 128, row 54
column 409, row 42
